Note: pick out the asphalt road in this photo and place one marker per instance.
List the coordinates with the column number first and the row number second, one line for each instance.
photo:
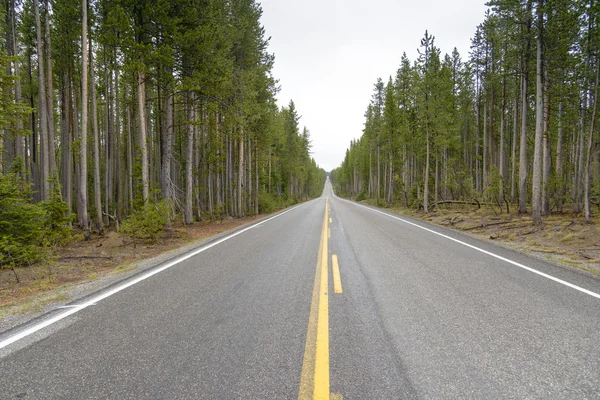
column 420, row 315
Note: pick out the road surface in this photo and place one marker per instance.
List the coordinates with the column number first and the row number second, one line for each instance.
column 329, row 299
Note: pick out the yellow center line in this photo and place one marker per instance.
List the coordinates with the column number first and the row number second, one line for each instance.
column 337, row 280
column 330, row 221
column 314, row 382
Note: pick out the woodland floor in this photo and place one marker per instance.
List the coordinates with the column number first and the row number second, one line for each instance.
column 564, row 238
column 84, row 261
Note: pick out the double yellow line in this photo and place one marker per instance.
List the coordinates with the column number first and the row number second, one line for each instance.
column 314, row 382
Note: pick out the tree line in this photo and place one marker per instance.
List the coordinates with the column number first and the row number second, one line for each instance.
column 513, row 124
column 110, row 105
column 133, row 101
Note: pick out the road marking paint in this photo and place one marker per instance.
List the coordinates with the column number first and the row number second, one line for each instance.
column 314, row 381
column 337, row 280
column 330, row 221
column 516, row 264
column 322, row 353
column 75, row 306
column 78, row 307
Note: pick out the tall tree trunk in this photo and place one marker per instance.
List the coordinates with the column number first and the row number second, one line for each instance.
column 97, row 183
column 513, row 161
column 42, row 108
column 189, row 178
column 109, row 140
column 83, row 192
column 167, row 150
column 19, row 140
column 426, row 186
column 546, row 153
column 536, row 198
column 119, row 158
column 523, row 147
column 141, row 88
column 129, row 157
column 501, row 144
column 587, row 178
column 559, row 158
column 524, row 112
column 65, row 138
column 256, row 183
column 50, row 95
column 240, row 178
column 486, row 146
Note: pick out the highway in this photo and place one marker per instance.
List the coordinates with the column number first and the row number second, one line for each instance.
column 326, row 300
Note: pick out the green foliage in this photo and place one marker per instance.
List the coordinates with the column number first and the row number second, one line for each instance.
column 148, row 222
column 57, row 219
column 21, row 223
column 266, row 203
column 27, row 230
column 361, row 196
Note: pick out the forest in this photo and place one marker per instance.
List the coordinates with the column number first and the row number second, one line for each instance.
column 115, row 109
column 513, row 123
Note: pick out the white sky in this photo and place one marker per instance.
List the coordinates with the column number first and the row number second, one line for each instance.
column 329, row 54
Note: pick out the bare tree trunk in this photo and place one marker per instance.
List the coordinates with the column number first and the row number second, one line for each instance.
column 19, row 140
column 524, row 110
column 50, row 95
column 501, row 145
column 587, row 182
column 196, row 170
column 478, row 185
column 436, row 183
column 240, row 178
column 141, row 87
column 97, row 183
column 189, row 179
column 486, row 146
column 513, row 161
column 270, row 169
column 129, row 157
column 377, row 189
column 536, row 198
column 546, row 153
column 83, row 192
column 559, row 157
column 256, row 187
column 42, row 108
column 109, row 142
column 426, row 186
column 119, row 157
column 65, row 138
column 523, row 148
column 167, row 153
column 76, row 126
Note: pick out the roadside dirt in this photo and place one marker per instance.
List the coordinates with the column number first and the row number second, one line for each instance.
column 564, row 238
column 84, row 261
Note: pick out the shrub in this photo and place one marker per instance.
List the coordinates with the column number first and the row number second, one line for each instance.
column 361, row 196
column 148, row 222
column 21, row 223
column 266, row 203
column 57, row 219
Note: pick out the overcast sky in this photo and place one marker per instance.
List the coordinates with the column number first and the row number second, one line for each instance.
column 329, row 54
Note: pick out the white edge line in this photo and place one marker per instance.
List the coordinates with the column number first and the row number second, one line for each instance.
column 78, row 307
column 535, row 271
